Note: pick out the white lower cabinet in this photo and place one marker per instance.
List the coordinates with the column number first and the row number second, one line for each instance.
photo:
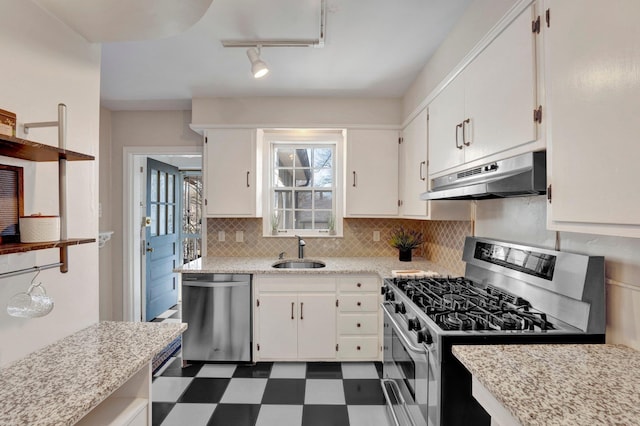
column 316, row 318
column 359, row 319
column 295, row 318
column 129, row 405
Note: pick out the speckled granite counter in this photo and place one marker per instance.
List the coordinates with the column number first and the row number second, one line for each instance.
column 62, row 382
column 560, row 384
column 335, row 265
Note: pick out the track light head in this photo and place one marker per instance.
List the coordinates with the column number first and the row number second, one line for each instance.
column 258, row 68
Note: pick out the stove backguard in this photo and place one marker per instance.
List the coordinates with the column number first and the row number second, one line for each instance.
column 567, row 286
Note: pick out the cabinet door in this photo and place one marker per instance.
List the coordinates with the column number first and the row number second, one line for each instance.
column 372, row 173
column 230, row 173
column 500, row 93
column 317, row 326
column 446, row 112
column 277, row 325
column 592, row 59
column 413, row 170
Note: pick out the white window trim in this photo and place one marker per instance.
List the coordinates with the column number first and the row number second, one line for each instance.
column 267, row 137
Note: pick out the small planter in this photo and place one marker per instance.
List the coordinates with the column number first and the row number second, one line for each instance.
column 404, row 255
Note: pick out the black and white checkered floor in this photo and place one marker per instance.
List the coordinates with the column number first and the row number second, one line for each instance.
column 264, row 394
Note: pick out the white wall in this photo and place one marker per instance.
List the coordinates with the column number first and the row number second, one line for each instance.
column 478, row 19
column 46, row 63
column 106, row 217
column 138, row 129
column 524, row 219
column 299, row 112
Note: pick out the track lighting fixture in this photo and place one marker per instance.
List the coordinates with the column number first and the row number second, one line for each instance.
column 258, row 68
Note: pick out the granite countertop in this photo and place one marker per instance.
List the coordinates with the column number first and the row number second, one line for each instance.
column 559, row 384
column 59, row 384
column 335, row 265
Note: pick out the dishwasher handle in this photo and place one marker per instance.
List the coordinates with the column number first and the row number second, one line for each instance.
column 215, row 284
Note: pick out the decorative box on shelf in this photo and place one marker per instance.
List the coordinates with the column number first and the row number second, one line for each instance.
column 7, row 123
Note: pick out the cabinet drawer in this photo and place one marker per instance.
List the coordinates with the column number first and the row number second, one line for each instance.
column 358, row 347
column 359, row 283
column 359, row 302
column 358, row 324
column 297, row 283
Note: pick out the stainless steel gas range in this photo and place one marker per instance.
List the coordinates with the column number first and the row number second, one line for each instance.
column 510, row 294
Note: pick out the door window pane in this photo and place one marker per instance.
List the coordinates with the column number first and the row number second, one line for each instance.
column 170, row 219
column 163, row 187
column 154, row 219
column 162, row 220
column 171, row 188
column 153, row 188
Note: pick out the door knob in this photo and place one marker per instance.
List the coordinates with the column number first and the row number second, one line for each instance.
column 149, row 249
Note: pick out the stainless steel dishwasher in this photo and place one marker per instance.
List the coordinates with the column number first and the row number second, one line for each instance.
column 217, row 308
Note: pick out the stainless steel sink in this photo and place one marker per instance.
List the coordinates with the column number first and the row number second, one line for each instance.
column 298, row 264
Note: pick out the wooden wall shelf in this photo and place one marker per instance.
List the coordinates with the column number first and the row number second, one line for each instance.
column 10, row 248
column 34, row 151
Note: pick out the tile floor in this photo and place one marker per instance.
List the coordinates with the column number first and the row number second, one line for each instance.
column 265, row 394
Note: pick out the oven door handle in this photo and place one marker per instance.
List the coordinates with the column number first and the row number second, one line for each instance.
column 398, row 396
column 405, row 340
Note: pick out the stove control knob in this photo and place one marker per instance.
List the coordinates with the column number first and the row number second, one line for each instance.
column 390, row 296
column 400, row 308
column 424, row 337
column 414, row 324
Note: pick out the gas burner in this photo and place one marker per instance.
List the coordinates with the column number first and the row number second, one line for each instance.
column 457, row 321
column 453, row 301
column 509, row 321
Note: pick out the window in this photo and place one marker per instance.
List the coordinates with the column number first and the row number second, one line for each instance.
column 304, row 196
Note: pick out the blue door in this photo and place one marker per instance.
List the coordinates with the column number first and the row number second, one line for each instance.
column 161, row 238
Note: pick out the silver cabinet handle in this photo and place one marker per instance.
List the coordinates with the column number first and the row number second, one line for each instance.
column 354, row 179
column 457, row 127
column 292, row 303
column 301, row 307
column 464, row 126
column 423, row 163
column 248, row 179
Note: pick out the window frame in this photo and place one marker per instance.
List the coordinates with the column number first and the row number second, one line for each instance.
column 272, row 138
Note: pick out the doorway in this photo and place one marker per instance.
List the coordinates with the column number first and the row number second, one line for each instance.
column 188, row 161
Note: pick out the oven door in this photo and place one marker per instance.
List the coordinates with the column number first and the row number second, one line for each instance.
column 405, row 382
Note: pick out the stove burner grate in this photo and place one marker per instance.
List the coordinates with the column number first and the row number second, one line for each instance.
column 459, row 304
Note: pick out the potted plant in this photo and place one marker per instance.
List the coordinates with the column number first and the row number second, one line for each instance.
column 331, row 224
column 275, row 221
column 405, row 240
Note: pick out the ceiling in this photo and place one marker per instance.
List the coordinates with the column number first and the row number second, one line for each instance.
column 373, row 48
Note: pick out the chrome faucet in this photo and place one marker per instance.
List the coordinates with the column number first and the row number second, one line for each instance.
column 301, row 245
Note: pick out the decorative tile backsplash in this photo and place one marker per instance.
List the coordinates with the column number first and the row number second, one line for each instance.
column 444, row 240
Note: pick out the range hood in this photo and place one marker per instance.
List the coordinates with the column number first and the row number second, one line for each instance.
column 523, row 175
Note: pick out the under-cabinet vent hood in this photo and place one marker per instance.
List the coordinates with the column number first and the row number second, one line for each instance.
column 523, row 175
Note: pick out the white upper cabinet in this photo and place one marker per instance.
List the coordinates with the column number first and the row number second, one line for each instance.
column 414, row 170
column 446, row 112
column 372, row 173
column 231, row 178
column 486, row 112
column 592, row 68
